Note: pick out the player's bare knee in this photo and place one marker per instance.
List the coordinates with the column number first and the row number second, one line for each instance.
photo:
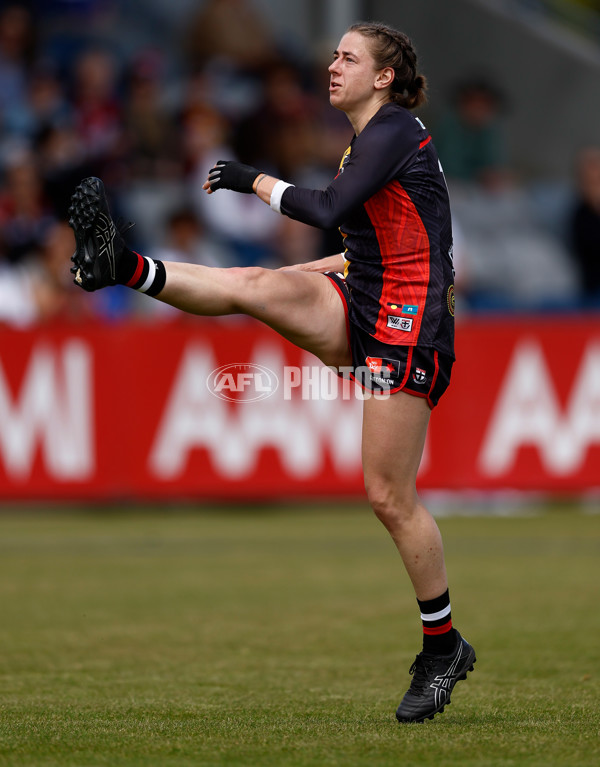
column 392, row 505
column 248, row 286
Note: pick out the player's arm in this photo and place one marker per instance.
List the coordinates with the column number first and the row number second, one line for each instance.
column 377, row 156
column 324, row 209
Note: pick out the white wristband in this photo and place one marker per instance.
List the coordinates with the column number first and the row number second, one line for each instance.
column 277, row 193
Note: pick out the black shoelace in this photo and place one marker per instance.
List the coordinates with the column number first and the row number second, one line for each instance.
column 420, row 672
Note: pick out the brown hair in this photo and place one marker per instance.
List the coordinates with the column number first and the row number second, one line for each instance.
column 391, row 48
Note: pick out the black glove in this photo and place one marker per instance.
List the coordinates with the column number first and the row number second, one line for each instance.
column 232, row 175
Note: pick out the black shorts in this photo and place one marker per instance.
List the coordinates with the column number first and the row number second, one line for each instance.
column 378, row 367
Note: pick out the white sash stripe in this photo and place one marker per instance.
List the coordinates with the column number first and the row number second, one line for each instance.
column 150, row 277
column 436, row 616
column 277, row 194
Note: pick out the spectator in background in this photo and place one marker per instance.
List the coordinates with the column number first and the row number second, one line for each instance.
column 509, row 260
column 150, row 131
column 61, row 159
column 47, row 103
column 36, row 289
column 585, row 224
column 185, row 240
column 98, row 111
column 240, row 222
column 284, row 134
column 469, row 137
column 230, row 44
column 231, row 30
column 281, row 130
column 17, row 51
column 53, row 295
column 24, row 211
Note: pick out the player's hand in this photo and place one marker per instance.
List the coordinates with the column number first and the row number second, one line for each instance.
column 228, row 174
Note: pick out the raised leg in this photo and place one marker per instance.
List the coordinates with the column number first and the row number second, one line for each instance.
column 304, row 307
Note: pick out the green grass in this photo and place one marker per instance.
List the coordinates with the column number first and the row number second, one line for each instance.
column 226, row 637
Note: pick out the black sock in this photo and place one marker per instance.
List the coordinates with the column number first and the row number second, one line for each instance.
column 126, row 264
column 141, row 273
column 439, row 638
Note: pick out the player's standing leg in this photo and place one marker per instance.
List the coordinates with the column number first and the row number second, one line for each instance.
column 394, row 431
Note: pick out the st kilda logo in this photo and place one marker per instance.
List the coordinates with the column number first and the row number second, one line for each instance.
column 420, row 376
column 242, row 382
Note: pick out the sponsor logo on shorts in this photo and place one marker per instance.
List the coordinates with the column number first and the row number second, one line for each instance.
column 420, row 376
column 380, row 365
column 382, row 371
column 385, row 382
column 400, row 323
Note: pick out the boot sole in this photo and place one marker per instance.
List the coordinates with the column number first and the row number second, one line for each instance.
column 83, row 214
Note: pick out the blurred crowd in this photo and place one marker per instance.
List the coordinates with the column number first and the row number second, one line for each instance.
column 151, row 119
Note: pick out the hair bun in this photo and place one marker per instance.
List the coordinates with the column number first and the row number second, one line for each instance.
column 417, row 92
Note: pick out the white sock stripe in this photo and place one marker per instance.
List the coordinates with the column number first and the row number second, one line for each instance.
column 436, row 616
column 150, row 277
column 277, row 194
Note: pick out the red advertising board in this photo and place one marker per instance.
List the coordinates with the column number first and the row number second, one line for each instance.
column 226, row 409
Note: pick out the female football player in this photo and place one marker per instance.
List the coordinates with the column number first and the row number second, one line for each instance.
column 386, row 305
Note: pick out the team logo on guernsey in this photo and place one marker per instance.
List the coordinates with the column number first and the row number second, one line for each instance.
column 451, row 299
column 400, row 323
column 420, row 376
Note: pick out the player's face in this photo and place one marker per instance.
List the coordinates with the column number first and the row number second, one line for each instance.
column 352, row 74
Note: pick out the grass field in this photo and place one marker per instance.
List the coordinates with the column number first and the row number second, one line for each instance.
column 284, row 637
